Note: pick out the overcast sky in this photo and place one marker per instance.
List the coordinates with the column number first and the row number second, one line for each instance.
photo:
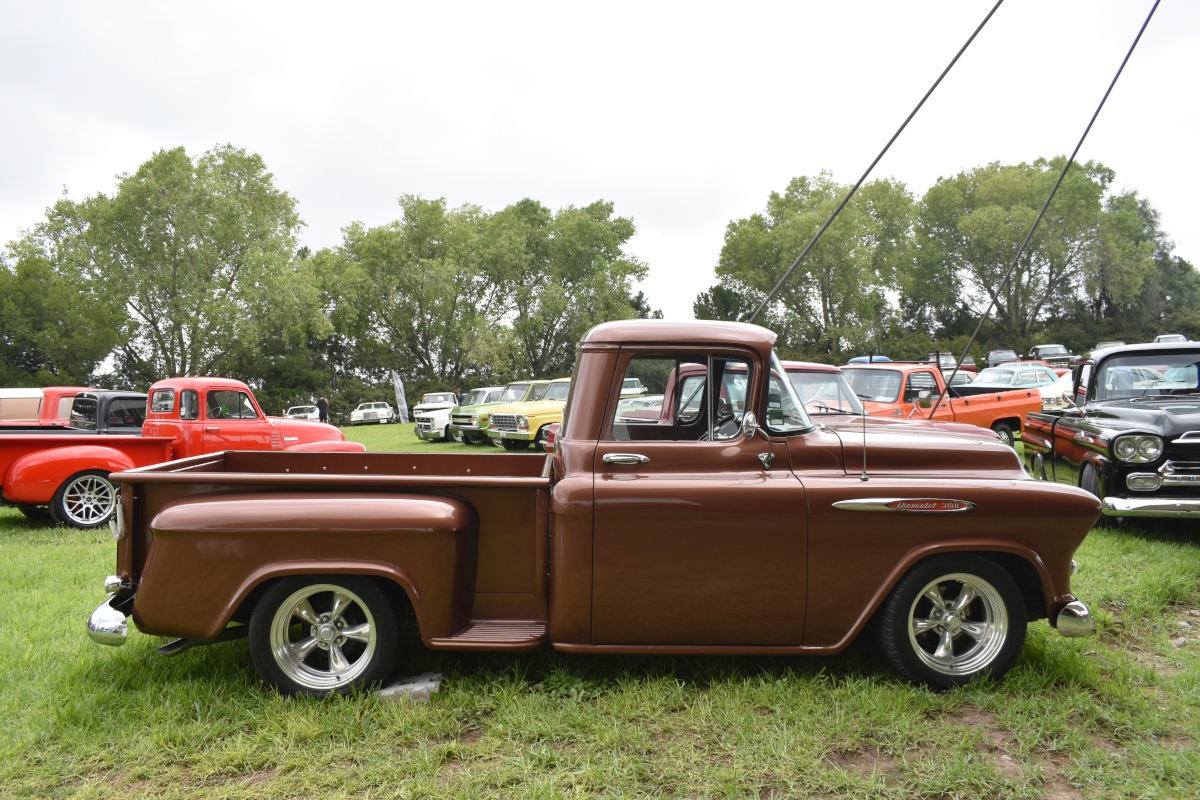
column 685, row 115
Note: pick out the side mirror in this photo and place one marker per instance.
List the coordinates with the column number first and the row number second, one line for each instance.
column 923, row 400
column 749, row 425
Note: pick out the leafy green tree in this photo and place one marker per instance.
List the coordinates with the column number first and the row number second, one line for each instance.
column 838, row 296
column 57, row 321
column 201, row 253
column 561, row 274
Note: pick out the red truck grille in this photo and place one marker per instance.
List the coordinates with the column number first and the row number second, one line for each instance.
column 504, row 422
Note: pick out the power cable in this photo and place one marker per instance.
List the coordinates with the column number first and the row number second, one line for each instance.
column 1045, row 206
column 766, row 301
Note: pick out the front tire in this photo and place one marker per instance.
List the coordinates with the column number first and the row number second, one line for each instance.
column 515, row 445
column 318, row 635
column 456, row 435
column 85, row 500
column 951, row 619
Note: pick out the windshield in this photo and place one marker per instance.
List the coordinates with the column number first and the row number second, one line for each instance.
column 1170, row 337
column 83, row 413
column 1003, row 355
column 475, row 397
column 998, row 377
column 558, row 391
column 824, row 392
column 874, row 385
column 514, row 393
column 632, row 383
column 1052, row 350
column 434, row 398
column 785, row 411
column 1147, row 375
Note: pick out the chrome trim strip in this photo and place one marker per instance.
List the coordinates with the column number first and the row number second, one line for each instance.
column 1151, row 507
column 910, row 505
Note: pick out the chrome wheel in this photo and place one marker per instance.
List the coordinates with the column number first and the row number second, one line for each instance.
column 86, row 500
column 323, row 637
column 957, row 624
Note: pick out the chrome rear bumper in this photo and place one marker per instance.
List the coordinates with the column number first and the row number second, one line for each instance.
column 1186, row 507
column 107, row 625
column 1075, row 620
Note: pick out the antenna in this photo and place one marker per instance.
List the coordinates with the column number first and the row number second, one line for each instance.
column 1045, row 206
column 766, row 301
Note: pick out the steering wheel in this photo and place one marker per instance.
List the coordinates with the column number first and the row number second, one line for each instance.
column 214, row 412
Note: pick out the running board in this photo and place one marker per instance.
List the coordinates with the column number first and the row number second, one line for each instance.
column 229, row 634
column 494, row 634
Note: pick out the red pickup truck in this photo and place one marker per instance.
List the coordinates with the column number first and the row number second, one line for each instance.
column 62, row 473
column 703, row 533
column 910, row 389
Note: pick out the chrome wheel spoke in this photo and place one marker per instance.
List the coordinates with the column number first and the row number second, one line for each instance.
column 934, row 595
column 340, row 603
column 358, row 633
column 965, row 598
column 303, row 648
column 945, row 648
column 923, row 625
column 337, row 659
column 976, row 630
column 304, row 611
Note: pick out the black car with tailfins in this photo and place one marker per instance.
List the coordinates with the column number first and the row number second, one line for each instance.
column 1131, row 434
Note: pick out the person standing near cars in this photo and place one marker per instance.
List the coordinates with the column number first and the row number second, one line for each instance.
column 323, row 409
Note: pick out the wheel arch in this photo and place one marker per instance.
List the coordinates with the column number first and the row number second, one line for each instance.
column 1021, row 563
column 34, row 478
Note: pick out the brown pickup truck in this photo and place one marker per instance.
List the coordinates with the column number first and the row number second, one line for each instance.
column 733, row 525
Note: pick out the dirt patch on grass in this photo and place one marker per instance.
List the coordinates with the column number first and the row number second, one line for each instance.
column 1001, row 747
column 866, row 761
column 470, row 737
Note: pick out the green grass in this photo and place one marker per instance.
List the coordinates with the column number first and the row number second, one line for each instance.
column 399, row 437
column 1116, row 715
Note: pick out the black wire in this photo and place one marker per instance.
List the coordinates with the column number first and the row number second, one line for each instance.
column 1046, row 205
column 850, row 194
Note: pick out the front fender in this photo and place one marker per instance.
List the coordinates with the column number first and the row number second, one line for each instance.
column 34, row 478
column 208, row 553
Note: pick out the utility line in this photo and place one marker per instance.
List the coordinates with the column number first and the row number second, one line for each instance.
column 770, row 296
column 1046, row 205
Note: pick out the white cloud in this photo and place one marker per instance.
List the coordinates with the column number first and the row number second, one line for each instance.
column 685, row 115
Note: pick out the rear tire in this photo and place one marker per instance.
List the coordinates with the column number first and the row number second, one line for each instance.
column 951, row 619
column 515, row 445
column 85, row 500
column 322, row 634
column 1005, row 432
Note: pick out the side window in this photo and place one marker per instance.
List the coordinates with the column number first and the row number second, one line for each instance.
column 539, row 391
column 1081, row 386
column 679, row 403
column 230, row 405
column 189, row 404
column 64, row 407
column 126, row 413
column 919, row 382
column 162, row 401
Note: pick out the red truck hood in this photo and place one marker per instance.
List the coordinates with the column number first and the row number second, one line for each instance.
column 303, row 431
column 918, row 446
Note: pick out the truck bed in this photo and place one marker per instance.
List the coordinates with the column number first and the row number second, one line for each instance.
column 307, row 506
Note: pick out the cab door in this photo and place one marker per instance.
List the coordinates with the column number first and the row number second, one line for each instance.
column 231, row 422
column 695, row 541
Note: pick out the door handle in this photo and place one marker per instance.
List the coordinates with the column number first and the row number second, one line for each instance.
column 625, row 458
column 212, row 429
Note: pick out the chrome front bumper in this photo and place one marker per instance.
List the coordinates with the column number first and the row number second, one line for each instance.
column 1075, row 620
column 1185, row 507
column 429, row 435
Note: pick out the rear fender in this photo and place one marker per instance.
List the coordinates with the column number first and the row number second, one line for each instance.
column 34, row 478
column 209, row 553
column 327, row 447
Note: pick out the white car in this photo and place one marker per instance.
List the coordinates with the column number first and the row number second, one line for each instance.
column 372, row 413
column 632, row 387
column 1052, row 395
column 303, row 412
column 432, row 415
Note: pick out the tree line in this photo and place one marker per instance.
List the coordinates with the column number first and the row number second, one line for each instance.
column 192, row 267
column 903, row 276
